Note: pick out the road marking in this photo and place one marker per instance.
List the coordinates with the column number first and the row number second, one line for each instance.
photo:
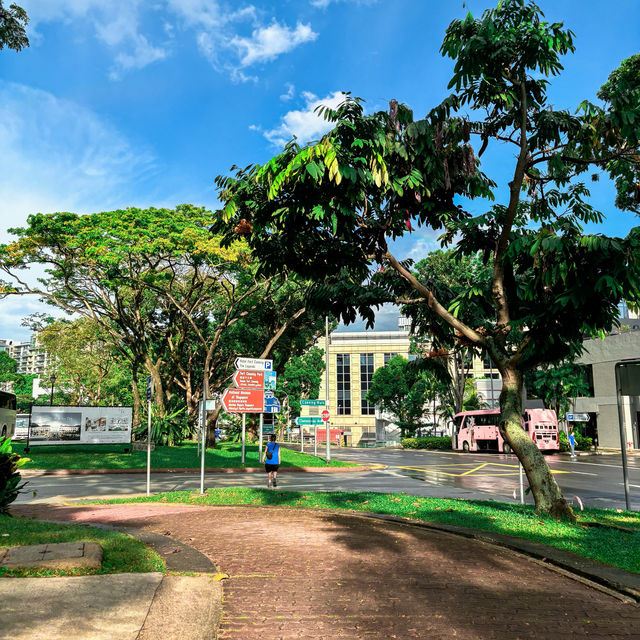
column 635, row 486
column 436, row 470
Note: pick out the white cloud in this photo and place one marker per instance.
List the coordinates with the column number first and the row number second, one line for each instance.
column 267, row 43
column 115, row 23
column 124, row 27
column 58, row 156
column 304, row 124
column 423, row 244
column 323, row 4
column 289, row 94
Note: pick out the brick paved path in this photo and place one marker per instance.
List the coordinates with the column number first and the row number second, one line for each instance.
column 313, row 574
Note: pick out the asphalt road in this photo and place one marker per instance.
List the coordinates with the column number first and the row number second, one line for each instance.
column 593, row 480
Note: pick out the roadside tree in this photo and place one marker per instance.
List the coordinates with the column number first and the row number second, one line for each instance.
column 327, row 211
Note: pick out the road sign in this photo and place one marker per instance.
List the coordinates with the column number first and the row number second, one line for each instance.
column 577, row 417
column 149, row 387
column 309, row 402
column 308, row 422
column 325, row 415
column 247, row 379
column 569, row 417
column 210, row 405
column 271, row 403
column 254, row 364
column 243, row 400
column 268, row 428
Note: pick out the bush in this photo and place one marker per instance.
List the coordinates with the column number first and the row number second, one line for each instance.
column 582, row 442
column 443, row 443
column 9, row 475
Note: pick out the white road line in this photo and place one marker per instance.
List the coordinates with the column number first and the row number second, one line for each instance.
column 635, row 486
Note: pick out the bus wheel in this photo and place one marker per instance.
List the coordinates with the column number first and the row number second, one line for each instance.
column 465, row 447
column 506, row 448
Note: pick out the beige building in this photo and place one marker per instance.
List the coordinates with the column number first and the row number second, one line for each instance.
column 353, row 358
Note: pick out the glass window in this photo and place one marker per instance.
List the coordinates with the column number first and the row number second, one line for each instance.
column 366, row 373
column 388, row 356
column 343, row 375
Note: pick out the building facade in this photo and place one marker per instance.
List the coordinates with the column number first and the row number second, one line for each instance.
column 353, row 359
column 30, row 356
column 602, row 406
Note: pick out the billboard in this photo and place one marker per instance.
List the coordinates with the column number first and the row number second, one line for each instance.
column 80, row 425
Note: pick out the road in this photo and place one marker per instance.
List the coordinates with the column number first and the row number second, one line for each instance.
column 593, row 480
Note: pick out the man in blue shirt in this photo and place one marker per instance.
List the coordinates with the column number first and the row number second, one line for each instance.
column 272, row 461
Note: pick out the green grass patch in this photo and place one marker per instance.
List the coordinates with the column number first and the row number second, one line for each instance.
column 122, row 553
column 226, row 455
column 616, row 544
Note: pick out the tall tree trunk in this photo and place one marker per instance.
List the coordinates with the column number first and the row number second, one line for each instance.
column 545, row 489
column 135, row 391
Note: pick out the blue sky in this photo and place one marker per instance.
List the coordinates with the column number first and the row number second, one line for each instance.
column 143, row 102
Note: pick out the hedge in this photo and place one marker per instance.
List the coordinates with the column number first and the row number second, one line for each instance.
column 582, row 442
column 430, row 442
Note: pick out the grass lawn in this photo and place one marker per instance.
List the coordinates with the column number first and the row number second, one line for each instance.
column 122, row 553
column 182, row 457
column 608, row 544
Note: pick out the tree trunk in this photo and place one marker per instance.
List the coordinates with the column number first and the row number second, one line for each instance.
column 546, row 492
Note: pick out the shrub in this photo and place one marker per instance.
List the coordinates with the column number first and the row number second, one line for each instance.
column 582, row 442
column 9, row 475
column 431, row 442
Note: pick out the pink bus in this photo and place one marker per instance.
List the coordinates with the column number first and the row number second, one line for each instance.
column 478, row 430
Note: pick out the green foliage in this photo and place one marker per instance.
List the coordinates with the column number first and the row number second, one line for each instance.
column 401, row 390
column 558, row 385
column 440, row 443
column 9, row 475
column 301, row 378
column 471, row 401
column 8, row 367
column 583, row 443
column 13, row 21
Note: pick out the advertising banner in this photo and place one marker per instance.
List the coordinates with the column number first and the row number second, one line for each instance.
column 80, row 425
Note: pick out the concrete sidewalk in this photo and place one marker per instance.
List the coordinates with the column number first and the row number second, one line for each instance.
column 299, row 573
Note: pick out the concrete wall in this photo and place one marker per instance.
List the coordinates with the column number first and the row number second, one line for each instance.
column 603, row 356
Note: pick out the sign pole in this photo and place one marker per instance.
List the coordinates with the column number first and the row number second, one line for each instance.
column 149, row 388
column 260, row 440
column 244, row 416
column 204, row 435
column 326, row 393
column 623, row 439
column 315, row 439
column 521, row 485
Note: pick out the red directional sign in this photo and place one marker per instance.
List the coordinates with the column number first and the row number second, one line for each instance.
column 325, row 415
column 249, row 379
column 243, row 400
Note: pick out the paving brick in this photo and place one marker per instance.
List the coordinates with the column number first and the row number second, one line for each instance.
column 314, row 574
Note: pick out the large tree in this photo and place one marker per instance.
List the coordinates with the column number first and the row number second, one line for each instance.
column 170, row 299
column 328, row 210
column 13, row 22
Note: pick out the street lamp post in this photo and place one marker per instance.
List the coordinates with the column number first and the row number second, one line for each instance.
column 53, row 381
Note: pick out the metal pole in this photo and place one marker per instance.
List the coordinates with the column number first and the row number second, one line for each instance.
column 521, row 485
column 260, row 438
column 326, row 393
column 244, row 415
column 623, row 439
column 315, row 439
column 301, row 439
column 203, row 448
column 491, row 374
column 198, row 433
column 149, row 451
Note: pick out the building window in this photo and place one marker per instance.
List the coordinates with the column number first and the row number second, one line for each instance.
column 343, row 375
column 388, row 356
column 366, row 373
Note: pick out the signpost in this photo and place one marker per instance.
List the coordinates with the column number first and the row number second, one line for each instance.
column 325, row 415
column 247, row 379
column 308, row 422
column 243, row 400
column 254, row 364
column 577, row 417
column 149, row 390
column 309, row 402
column 254, row 382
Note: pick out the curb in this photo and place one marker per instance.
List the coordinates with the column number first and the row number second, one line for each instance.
column 31, row 473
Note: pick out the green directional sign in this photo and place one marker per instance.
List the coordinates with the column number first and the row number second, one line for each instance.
column 268, row 428
column 308, row 422
column 307, row 402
